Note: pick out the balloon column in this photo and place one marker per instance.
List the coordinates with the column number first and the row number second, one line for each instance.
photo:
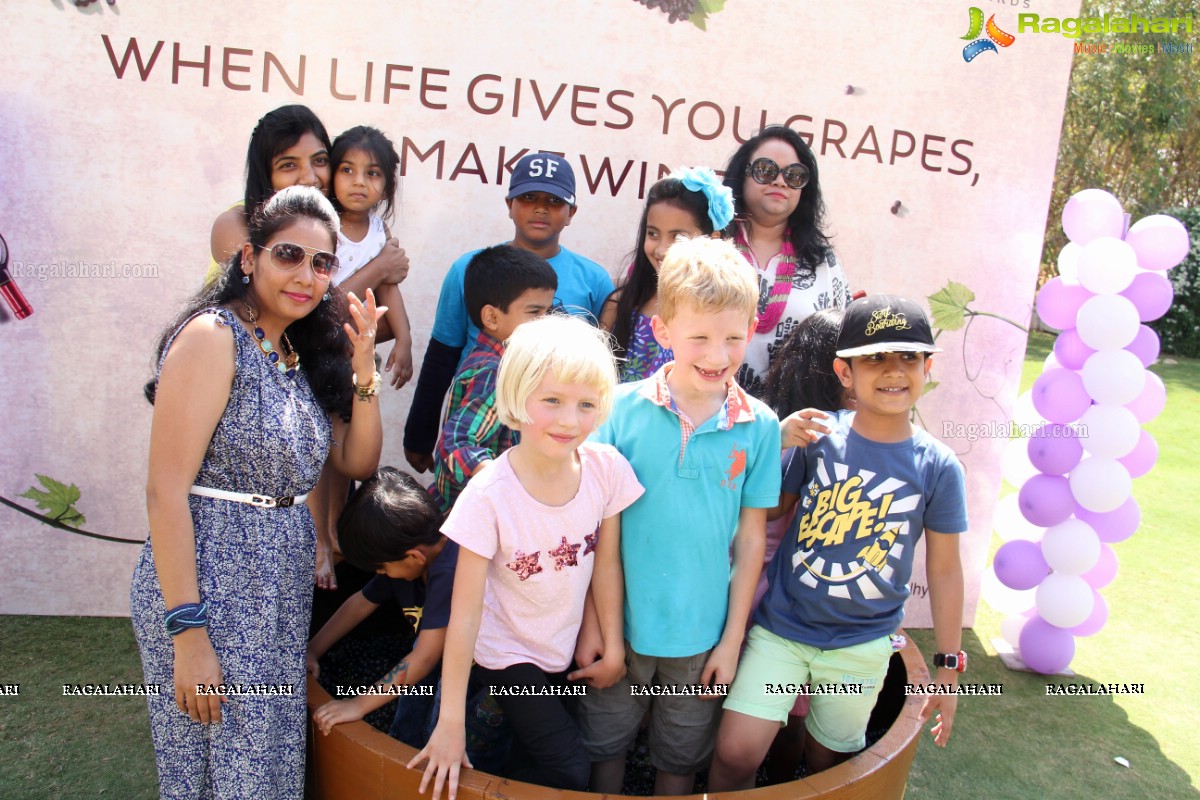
column 1087, row 410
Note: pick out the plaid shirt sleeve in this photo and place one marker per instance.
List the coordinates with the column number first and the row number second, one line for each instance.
column 472, row 430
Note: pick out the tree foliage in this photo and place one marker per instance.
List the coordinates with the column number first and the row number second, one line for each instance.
column 1132, row 122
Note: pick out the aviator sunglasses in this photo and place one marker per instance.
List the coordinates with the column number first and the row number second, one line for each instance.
column 764, row 170
column 286, row 257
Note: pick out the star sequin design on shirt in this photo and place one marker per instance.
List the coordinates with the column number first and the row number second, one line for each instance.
column 525, row 565
column 590, row 541
column 565, row 555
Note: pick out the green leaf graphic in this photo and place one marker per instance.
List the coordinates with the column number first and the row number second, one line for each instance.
column 949, row 306
column 56, row 500
column 703, row 9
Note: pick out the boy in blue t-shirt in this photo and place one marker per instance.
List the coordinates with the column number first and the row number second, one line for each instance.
column 392, row 526
column 541, row 202
column 869, row 488
column 708, row 456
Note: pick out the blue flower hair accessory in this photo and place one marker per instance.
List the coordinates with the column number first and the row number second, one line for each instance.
column 720, row 197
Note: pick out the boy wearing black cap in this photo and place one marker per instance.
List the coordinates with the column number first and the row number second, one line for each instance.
column 541, row 202
column 870, row 483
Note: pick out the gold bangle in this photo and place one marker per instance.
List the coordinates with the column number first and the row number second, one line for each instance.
column 370, row 390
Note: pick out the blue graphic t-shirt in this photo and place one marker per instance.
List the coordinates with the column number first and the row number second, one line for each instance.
column 840, row 576
column 426, row 604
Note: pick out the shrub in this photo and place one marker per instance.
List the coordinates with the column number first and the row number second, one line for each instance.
column 1179, row 328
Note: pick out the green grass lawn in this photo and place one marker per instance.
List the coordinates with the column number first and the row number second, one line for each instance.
column 1027, row 745
column 1021, row 745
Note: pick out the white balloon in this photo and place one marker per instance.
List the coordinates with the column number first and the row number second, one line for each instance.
column 1107, row 265
column 1052, row 361
column 1113, row 376
column 1109, row 431
column 1002, row 598
column 1071, row 547
column 1009, row 523
column 1107, row 322
column 1068, row 263
column 1092, row 213
column 1016, row 467
column 1064, row 600
column 1024, row 413
column 1010, row 629
column 1100, row 484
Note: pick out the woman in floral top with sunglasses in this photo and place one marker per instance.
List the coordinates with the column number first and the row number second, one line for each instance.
column 779, row 229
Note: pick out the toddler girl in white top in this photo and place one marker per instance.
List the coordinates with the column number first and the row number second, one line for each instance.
column 535, row 529
column 364, row 178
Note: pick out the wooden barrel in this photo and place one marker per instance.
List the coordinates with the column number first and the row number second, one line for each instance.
column 356, row 761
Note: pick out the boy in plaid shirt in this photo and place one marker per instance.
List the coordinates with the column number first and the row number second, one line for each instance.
column 503, row 287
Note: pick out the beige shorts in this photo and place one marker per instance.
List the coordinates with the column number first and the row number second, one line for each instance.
column 683, row 727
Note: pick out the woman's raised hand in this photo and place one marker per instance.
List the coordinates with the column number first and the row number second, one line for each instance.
column 364, row 318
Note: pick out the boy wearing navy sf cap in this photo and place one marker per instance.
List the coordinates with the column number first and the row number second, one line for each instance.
column 541, row 203
column 870, row 485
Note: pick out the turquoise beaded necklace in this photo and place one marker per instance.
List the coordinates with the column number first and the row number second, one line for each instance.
column 291, row 359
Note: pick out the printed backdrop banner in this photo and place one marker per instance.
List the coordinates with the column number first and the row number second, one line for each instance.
column 125, row 128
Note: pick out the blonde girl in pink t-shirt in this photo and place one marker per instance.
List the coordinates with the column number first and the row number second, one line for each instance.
column 535, row 530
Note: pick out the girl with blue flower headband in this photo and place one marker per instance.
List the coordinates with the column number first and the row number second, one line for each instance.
column 689, row 202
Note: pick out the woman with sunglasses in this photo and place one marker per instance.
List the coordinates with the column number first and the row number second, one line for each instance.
column 290, row 147
column 254, row 393
column 779, row 229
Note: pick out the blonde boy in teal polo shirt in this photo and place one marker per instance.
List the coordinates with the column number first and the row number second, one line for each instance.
column 708, row 455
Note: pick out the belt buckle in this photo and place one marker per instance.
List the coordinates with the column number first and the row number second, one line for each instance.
column 285, row 502
column 262, row 501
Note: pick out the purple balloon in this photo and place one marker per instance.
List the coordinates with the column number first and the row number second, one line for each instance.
column 1055, row 449
column 1059, row 395
column 1096, row 620
column 1113, row 526
column 1059, row 302
column 1149, row 404
column 1046, row 500
column 1145, row 345
column 1151, row 294
column 1105, row 570
column 1070, row 350
column 1019, row 564
column 1141, row 458
column 1160, row 241
column 1045, row 648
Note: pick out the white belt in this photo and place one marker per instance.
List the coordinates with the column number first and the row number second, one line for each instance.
column 260, row 500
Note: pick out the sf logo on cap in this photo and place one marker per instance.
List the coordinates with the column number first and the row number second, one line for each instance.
column 538, row 165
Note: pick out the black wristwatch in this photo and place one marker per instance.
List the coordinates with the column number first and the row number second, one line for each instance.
column 955, row 661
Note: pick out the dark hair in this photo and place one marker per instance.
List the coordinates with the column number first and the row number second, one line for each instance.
column 807, row 222
column 801, row 374
column 388, row 515
column 642, row 282
column 499, row 275
column 275, row 132
column 318, row 338
column 380, row 148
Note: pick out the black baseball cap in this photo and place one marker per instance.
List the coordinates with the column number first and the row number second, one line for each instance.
column 884, row 323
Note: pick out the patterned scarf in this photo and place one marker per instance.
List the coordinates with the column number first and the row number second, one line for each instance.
column 785, row 268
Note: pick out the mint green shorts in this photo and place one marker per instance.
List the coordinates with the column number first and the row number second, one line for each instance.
column 843, row 683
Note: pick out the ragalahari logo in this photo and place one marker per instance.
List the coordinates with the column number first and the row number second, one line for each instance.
column 995, row 36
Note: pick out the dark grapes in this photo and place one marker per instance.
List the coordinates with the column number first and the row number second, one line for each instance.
column 674, row 9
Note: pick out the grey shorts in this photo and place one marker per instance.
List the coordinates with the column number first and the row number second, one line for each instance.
column 682, row 727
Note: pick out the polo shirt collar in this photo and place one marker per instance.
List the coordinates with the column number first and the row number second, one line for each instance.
column 736, row 407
